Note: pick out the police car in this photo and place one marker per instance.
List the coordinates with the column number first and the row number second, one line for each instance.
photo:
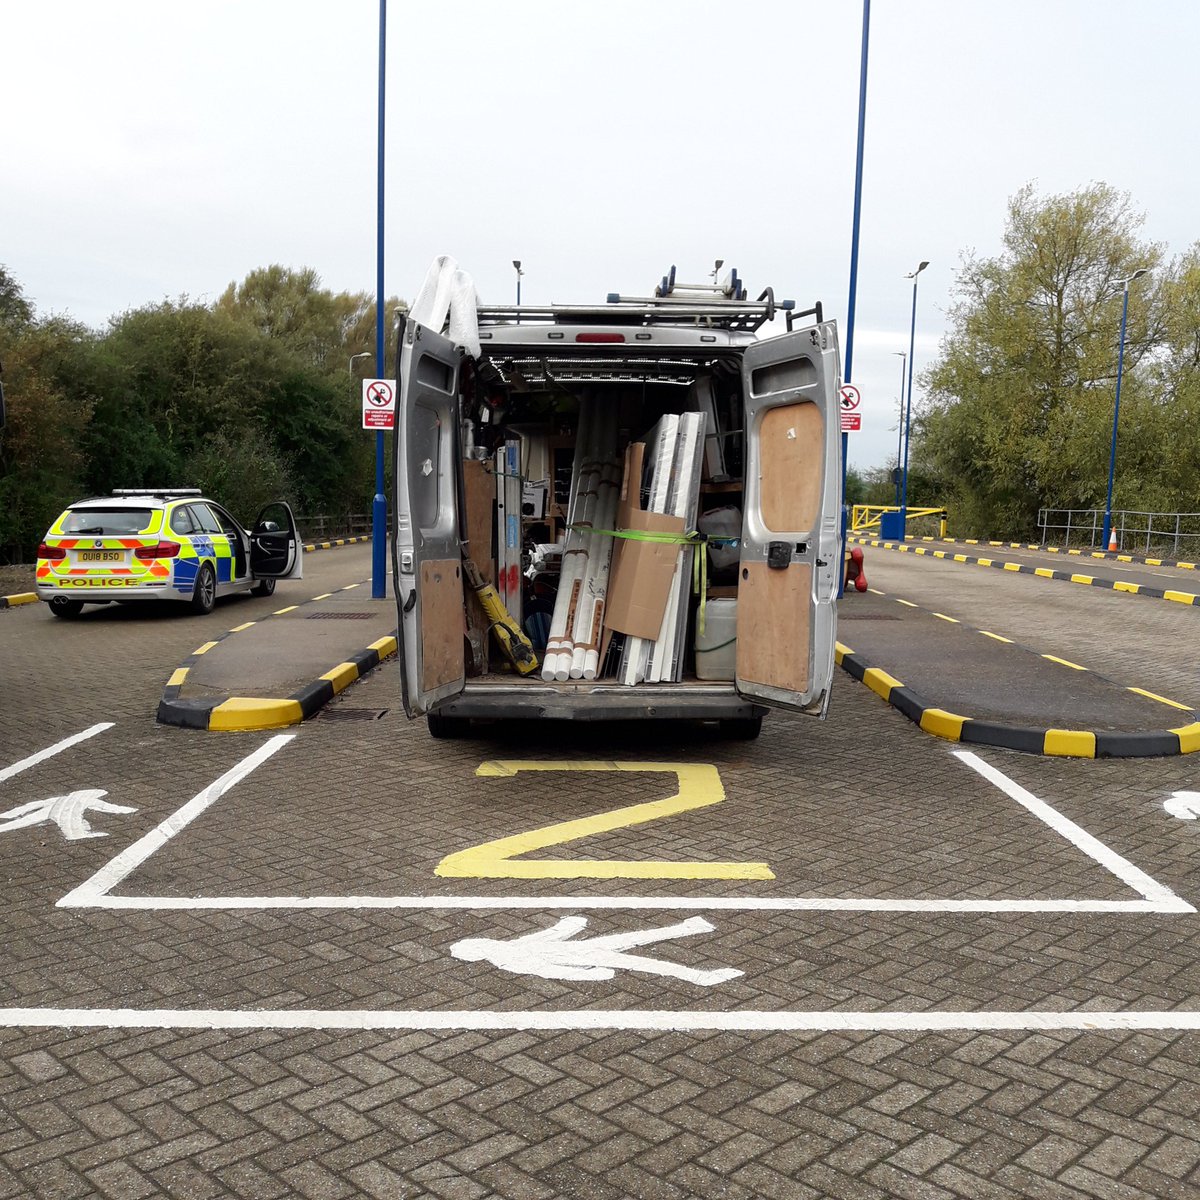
column 163, row 544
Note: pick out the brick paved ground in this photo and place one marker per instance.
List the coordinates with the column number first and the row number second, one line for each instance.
column 862, row 806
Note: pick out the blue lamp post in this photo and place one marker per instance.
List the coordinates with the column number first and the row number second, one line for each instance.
column 903, row 356
column 1123, row 284
column 912, row 341
column 516, row 262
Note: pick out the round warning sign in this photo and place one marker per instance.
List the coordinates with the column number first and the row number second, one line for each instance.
column 851, row 417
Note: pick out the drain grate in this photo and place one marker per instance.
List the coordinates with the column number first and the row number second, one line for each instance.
column 353, row 714
column 339, row 616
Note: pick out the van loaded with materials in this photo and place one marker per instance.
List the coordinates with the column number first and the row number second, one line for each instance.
column 617, row 511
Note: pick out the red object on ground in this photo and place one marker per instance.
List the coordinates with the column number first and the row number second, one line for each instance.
column 854, row 570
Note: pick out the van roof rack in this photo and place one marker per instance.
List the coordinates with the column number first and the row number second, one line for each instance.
column 711, row 306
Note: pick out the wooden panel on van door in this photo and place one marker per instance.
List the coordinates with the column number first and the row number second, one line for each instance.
column 792, row 449
column 442, row 622
column 774, row 615
column 479, row 484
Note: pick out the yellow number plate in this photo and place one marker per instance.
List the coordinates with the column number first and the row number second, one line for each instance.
column 100, row 556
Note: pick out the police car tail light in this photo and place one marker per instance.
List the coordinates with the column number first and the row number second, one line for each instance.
column 53, row 553
column 161, row 550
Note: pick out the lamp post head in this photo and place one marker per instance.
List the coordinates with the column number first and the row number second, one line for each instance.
column 917, row 272
column 1123, row 284
column 516, row 262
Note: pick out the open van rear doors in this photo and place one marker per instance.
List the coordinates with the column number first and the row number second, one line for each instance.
column 427, row 553
column 791, row 551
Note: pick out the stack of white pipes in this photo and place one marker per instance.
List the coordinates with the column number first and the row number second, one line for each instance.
column 595, row 449
column 666, row 657
column 589, row 611
column 678, row 453
column 635, row 655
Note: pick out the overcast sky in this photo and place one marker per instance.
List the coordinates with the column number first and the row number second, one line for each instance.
column 156, row 149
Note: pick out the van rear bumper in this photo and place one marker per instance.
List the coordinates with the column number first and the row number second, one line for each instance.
column 601, row 702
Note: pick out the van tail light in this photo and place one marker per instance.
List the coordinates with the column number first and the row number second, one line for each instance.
column 162, row 550
column 53, row 553
column 599, row 337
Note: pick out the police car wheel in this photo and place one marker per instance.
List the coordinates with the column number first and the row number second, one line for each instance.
column 205, row 594
column 264, row 587
column 65, row 607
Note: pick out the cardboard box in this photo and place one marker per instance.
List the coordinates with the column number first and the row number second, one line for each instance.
column 640, row 581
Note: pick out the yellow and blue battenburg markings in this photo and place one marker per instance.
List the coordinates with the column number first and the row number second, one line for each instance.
column 74, row 572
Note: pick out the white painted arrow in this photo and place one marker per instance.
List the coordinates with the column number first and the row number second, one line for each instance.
column 65, row 811
column 1185, row 805
column 552, row 954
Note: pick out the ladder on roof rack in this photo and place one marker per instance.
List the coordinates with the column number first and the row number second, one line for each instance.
column 723, row 305
column 730, row 288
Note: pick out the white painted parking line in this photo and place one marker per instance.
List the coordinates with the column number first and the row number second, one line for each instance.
column 51, row 751
column 687, row 1020
column 1095, row 849
column 1155, row 897
column 111, row 874
column 586, row 902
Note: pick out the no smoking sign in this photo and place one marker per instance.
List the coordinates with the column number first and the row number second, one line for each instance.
column 379, row 404
column 851, row 398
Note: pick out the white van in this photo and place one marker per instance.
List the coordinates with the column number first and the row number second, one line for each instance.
column 774, row 454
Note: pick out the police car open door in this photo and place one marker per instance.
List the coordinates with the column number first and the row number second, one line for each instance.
column 428, row 556
column 276, row 551
column 791, row 551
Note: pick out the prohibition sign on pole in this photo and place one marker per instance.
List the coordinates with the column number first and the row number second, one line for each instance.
column 850, row 400
column 379, row 404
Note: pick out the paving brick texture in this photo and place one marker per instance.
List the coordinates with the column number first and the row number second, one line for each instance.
column 861, row 806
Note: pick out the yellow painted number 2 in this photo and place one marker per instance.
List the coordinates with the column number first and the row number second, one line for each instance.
column 699, row 786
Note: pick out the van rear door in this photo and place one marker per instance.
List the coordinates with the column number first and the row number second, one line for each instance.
column 427, row 562
column 787, row 577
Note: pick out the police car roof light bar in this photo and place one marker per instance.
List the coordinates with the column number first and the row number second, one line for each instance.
column 164, row 492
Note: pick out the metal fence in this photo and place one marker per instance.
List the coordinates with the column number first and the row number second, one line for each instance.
column 1165, row 534
column 323, row 527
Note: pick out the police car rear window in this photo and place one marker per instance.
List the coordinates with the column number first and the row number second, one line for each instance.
column 111, row 521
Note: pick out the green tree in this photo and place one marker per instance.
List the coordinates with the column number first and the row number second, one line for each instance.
column 168, row 377
column 1017, row 402
column 323, row 328
column 16, row 313
column 41, row 445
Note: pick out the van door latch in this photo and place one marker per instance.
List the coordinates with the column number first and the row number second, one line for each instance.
column 779, row 555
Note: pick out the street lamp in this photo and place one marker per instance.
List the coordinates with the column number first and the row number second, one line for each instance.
column 1123, row 286
column 912, row 342
column 516, row 262
column 903, row 356
column 363, row 354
